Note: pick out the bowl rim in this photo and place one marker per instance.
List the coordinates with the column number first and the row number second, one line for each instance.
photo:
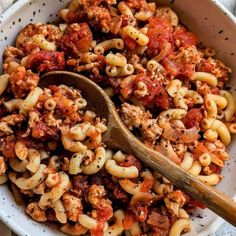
column 22, row 3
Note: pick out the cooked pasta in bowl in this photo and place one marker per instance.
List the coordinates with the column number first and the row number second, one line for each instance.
column 170, row 89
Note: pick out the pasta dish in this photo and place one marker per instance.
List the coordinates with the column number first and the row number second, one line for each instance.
column 169, row 90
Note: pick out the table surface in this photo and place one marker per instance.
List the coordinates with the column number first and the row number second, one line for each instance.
column 226, row 229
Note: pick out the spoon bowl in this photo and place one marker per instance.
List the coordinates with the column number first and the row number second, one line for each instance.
column 119, row 137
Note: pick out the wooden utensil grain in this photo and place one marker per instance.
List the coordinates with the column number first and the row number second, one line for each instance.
column 119, row 137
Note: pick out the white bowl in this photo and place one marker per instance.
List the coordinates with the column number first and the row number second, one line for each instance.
column 214, row 25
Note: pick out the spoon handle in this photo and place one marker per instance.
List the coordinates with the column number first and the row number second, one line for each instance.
column 218, row 202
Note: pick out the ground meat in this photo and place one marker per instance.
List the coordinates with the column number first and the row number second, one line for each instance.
column 35, row 212
column 174, row 201
column 7, row 146
column 137, row 4
column 73, row 206
column 77, row 39
column 99, row 17
column 13, row 119
column 24, row 40
column 140, row 208
column 115, row 24
column 130, row 160
column 150, row 130
column 158, row 220
column 159, row 33
column 44, row 61
column 42, row 132
column 156, row 94
column 67, row 108
column 193, row 118
column 131, row 115
column 184, row 63
column 96, row 194
column 215, row 67
column 167, row 150
column 120, row 194
column 184, row 37
column 22, row 82
column 12, row 52
column 80, row 184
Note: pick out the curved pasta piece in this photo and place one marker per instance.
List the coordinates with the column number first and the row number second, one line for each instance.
column 109, row 154
column 133, row 188
column 187, row 161
column 13, row 104
column 195, row 168
column 87, row 221
column 98, row 162
column 21, row 150
column 182, row 214
column 4, row 79
column 181, row 225
column 210, row 135
column 69, row 144
column 160, row 188
column 33, row 181
column 205, row 77
column 18, row 165
column 5, row 129
column 222, row 131
column 136, row 35
column 126, row 11
column 212, row 179
column 119, row 156
column 173, row 87
column 168, row 13
column 75, row 163
column 220, row 101
column 55, row 194
column 30, row 100
column 74, row 230
column 211, row 107
column 60, row 211
column 143, row 15
column 205, row 159
column 109, row 44
column 231, row 105
column 121, row 172
column 44, row 44
column 196, row 97
column 171, row 114
column 117, row 228
column 3, row 179
column 54, row 162
column 79, row 131
column 34, row 160
column 180, row 102
column 116, row 59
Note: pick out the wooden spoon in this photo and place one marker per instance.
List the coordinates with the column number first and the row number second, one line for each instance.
column 119, row 137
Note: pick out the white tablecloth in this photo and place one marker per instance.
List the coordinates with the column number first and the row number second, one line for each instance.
column 226, row 229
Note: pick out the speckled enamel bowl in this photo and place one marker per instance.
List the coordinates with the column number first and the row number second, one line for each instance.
column 215, row 27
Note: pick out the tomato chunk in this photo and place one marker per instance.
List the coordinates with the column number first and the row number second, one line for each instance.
column 185, row 37
column 159, row 32
column 44, row 61
column 130, row 43
column 193, row 118
column 76, row 39
column 157, row 95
